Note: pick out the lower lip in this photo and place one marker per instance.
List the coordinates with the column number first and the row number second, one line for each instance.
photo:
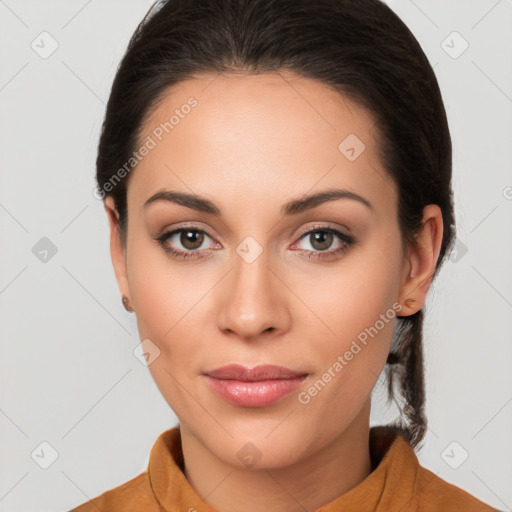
column 254, row 393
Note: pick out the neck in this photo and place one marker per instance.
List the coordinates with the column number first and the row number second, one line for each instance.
column 307, row 484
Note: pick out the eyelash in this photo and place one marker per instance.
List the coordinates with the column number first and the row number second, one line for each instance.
column 346, row 240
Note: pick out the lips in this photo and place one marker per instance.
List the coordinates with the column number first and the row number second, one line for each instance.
column 262, row 372
column 254, row 387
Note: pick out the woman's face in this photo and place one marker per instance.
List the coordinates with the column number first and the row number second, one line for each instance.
column 265, row 282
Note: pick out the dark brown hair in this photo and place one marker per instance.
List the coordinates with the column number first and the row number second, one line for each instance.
column 362, row 49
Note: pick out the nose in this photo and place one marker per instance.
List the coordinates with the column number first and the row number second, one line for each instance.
column 252, row 300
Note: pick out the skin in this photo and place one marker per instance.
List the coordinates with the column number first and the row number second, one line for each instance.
column 252, row 144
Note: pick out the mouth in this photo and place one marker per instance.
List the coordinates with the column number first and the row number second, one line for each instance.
column 256, row 386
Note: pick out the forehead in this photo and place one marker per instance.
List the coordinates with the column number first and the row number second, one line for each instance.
column 267, row 135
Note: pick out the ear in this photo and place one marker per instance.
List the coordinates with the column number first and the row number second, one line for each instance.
column 422, row 257
column 116, row 249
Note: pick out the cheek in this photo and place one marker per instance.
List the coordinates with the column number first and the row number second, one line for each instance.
column 164, row 293
column 352, row 295
column 356, row 303
column 350, row 361
column 169, row 313
column 167, row 300
column 174, row 312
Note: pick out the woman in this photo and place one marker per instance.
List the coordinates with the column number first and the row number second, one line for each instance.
column 277, row 179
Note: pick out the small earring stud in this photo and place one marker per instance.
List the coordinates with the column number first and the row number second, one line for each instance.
column 126, row 304
column 409, row 302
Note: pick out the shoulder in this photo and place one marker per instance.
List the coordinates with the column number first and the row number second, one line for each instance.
column 410, row 486
column 138, row 494
column 133, row 495
column 432, row 494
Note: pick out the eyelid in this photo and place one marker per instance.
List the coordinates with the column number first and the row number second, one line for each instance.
column 168, row 231
column 325, row 225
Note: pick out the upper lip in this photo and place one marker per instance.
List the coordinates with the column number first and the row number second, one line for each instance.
column 261, row 372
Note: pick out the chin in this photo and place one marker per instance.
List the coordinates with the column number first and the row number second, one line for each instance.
column 256, row 445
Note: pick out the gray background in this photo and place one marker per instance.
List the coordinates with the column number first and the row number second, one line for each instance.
column 68, row 375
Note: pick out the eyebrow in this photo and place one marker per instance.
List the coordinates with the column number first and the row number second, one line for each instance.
column 293, row 207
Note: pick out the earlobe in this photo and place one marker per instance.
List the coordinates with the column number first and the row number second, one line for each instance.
column 117, row 252
column 423, row 254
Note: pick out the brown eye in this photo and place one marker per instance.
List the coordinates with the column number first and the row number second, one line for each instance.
column 191, row 239
column 322, row 243
column 186, row 243
column 321, row 240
